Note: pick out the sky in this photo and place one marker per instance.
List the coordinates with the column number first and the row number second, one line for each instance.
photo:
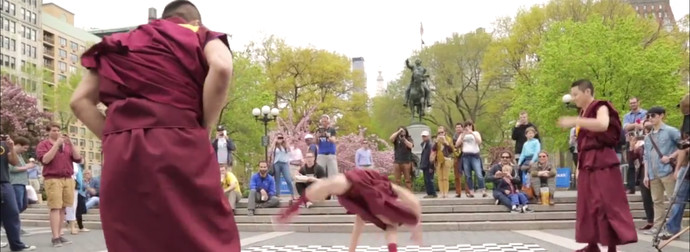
column 385, row 33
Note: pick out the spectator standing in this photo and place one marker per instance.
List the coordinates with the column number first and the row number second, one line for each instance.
column 224, row 147
column 519, row 132
column 402, row 156
column 326, row 146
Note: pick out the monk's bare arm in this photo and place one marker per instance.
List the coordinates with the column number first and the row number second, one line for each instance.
column 217, row 81
column 84, row 101
column 599, row 124
column 356, row 233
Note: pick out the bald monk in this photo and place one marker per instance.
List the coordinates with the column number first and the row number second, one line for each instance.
column 164, row 84
column 603, row 214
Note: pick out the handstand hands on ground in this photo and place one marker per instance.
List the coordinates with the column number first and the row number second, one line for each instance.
column 372, row 198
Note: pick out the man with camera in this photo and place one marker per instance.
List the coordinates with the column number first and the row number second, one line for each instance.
column 402, row 156
column 660, row 151
column 682, row 176
column 326, row 147
column 57, row 153
column 224, row 146
column 9, row 212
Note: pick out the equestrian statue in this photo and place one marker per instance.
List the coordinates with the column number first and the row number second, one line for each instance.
column 418, row 92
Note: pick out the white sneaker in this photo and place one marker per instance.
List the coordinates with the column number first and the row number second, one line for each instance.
column 3, row 244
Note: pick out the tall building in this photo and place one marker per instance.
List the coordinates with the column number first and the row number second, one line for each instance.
column 380, row 85
column 62, row 46
column 660, row 9
column 105, row 32
column 22, row 44
column 358, row 65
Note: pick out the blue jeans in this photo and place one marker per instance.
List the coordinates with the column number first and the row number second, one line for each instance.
column 472, row 162
column 677, row 209
column 518, row 198
column 92, row 202
column 429, row 182
column 283, row 169
column 503, row 198
column 20, row 195
column 9, row 216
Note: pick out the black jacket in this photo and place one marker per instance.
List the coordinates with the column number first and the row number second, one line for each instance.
column 424, row 162
column 230, row 146
column 497, row 181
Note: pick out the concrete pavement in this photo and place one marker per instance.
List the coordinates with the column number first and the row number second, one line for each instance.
column 527, row 240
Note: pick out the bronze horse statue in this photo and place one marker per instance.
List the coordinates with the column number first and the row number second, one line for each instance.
column 417, row 94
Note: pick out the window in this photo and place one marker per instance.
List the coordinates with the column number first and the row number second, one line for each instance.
column 73, row 129
column 82, row 131
column 74, row 58
column 6, row 60
column 6, row 5
column 63, row 66
column 62, row 53
column 21, row 30
column 33, row 52
column 82, row 153
column 82, row 143
column 74, row 46
column 33, row 34
column 13, row 25
column 6, row 24
column 22, row 65
column 74, row 140
column 13, row 45
column 90, row 143
column 33, row 18
column 63, row 41
column 33, row 86
column 12, row 10
column 12, row 62
column 22, row 13
column 72, row 69
column 6, row 42
column 61, row 77
column 90, row 155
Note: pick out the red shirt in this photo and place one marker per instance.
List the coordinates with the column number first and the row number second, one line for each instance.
column 61, row 165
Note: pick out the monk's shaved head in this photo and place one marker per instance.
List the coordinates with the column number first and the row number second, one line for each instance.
column 183, row 9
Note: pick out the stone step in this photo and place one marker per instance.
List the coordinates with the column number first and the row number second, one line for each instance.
column 321, row 210
column 427, row 217
column 425, row 202
column 347, row 227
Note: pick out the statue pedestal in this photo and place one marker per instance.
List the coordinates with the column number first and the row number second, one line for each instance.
column 415, row 130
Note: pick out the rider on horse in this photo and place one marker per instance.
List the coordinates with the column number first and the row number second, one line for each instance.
column 418, row 71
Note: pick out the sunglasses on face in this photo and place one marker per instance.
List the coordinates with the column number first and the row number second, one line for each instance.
column 652, row 115
column 280, row 138
column 542, row 156
column 506, row 157
column 263, row 167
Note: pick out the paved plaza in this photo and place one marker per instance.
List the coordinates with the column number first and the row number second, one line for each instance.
column 527, row 240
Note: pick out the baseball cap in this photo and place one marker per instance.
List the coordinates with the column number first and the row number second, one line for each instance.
column 220, row 128
column 309, row 136
column 656, row 110
column 425, row 133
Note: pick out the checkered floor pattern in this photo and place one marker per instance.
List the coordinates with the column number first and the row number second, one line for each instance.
column 486, row 247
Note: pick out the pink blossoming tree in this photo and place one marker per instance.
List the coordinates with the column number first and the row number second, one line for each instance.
column 16, row 108
column 295, row 127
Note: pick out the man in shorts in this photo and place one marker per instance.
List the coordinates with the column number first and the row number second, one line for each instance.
column 57, row 154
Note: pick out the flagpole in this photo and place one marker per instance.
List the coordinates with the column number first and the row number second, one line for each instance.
column 421, row 36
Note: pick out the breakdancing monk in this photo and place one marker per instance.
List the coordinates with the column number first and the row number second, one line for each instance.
column 164, row 84
column 603, row 214
column 372, row 198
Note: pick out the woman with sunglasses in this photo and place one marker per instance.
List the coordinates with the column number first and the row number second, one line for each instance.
column 542, row 172
column 281, row 164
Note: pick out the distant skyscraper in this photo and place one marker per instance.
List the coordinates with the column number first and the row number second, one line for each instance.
column 380, row 85
column 358, row 65
column 660, row 9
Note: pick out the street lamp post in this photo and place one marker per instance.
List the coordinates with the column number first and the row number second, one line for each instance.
column 30, row 126
column 265, row 115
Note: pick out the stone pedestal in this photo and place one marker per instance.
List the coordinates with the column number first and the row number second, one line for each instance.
column 415, row 130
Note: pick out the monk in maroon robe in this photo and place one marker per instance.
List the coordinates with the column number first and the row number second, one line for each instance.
column 372, row 198
column 603, row 214
column 164, row 84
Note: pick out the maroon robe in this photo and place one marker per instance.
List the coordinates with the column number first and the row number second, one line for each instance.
column 603, row 213
column 371, row 194
column 160, row 189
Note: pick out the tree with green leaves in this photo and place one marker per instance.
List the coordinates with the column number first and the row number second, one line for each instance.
column 632, row 58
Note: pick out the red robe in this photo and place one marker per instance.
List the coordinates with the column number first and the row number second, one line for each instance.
column 603, row 213
column 371, row 194
column 160, row 189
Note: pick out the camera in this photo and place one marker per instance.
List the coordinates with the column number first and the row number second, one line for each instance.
column 684, row 144
column 3, row 137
